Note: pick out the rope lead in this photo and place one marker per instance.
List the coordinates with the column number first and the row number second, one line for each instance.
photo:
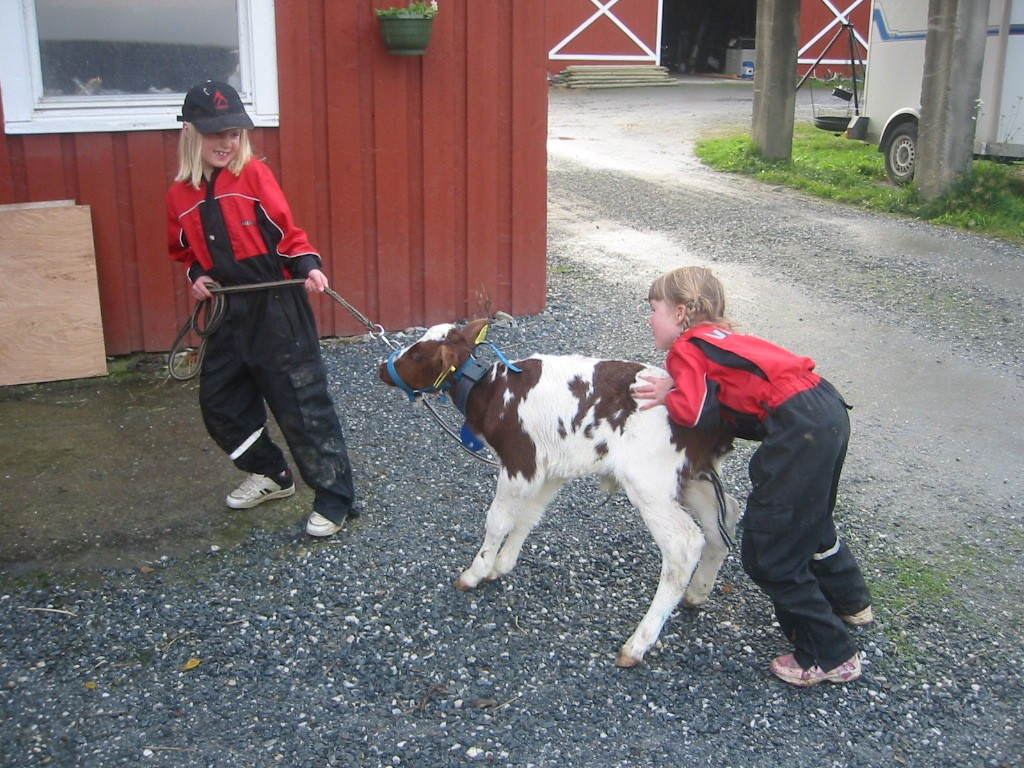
column 185, row 363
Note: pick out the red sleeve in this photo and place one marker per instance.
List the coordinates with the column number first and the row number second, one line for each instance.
column 177, row 242
column 688, row 401
column 294, row 241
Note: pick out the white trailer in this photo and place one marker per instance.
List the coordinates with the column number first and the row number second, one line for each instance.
column 891, row 104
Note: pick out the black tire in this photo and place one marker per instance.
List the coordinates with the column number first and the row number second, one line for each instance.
column 901, row 154
column 833, row 124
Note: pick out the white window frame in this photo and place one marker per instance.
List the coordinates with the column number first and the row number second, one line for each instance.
column 27, row 112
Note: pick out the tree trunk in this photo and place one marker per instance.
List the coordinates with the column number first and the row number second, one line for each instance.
column 953, row 57
column 777, row 43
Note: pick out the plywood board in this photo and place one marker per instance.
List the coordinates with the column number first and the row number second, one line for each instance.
column 50, row 324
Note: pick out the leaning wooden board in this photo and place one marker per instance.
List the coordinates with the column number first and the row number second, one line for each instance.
column 50, row 324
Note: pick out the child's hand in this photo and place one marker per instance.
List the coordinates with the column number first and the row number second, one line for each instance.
column 316, row 281
column 653, row 392
column 200, row 288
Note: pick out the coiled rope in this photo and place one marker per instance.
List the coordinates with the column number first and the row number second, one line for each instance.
column 184, row 363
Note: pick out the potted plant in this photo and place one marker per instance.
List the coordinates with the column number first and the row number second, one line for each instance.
column 406, row 31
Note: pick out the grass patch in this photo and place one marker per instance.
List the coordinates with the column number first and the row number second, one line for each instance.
column 990, row 200
column 908, row 587
column 910, row 584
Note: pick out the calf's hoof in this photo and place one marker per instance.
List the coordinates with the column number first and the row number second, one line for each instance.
column 694, row 598
column 626, row 661
column 464, row 584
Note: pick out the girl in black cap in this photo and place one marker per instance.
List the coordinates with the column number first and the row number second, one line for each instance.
column 230, row 225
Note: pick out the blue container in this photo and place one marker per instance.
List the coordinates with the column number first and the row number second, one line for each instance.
column 748, row 70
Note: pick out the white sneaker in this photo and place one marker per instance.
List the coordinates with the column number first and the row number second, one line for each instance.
column 256, row 489
column 318, row 525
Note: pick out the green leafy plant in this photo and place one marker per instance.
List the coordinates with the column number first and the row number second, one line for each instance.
column 413, row 10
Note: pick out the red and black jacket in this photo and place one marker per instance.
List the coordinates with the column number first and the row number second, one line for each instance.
column 720, row 376
column 237, row 229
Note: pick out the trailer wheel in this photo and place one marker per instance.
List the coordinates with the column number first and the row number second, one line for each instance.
column 901, row 154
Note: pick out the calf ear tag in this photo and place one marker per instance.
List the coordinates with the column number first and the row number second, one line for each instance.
column 482, row 335
column 469, row 439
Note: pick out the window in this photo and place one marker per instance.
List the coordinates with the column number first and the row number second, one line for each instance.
column 71, row 66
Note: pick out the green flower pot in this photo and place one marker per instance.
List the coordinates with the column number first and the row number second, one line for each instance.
column 406, row 35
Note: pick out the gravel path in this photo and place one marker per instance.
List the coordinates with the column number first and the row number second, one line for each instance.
column 358, row 651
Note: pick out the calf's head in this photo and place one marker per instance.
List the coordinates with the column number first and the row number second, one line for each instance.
column 428, row 364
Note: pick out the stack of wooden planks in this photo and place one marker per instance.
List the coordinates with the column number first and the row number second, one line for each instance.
column 626, row 76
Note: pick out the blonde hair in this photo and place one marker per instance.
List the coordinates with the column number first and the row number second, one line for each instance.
column 697, row 289
column 190, row 155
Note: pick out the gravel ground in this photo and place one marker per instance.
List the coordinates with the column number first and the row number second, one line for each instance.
column 358, row 651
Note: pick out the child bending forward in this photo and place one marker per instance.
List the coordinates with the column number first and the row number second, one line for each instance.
column 790, row 547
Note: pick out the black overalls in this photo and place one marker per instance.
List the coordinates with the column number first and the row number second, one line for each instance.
column 790, row 547
column 267, row 348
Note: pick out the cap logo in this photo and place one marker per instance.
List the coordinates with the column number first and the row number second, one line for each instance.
column 214, row 107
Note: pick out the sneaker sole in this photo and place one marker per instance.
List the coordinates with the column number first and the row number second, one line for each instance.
column 281, row 494
column 800, row 683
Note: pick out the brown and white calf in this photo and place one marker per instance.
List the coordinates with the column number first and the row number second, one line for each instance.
column 565, row 417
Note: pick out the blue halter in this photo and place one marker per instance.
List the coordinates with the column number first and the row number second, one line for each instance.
column 412, row 393
column 465, row 377
column 444, row 381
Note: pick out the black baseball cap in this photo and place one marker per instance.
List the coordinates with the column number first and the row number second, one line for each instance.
column 214, row 107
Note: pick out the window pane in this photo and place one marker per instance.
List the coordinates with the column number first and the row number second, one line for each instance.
column 109, row 47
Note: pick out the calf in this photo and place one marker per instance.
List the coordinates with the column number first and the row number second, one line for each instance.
column 549, row 419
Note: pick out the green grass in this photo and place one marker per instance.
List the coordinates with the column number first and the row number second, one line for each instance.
column 989, row 201
column 906, row 588
column 910, row 583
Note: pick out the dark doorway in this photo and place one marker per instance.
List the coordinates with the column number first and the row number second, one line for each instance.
column 697, row 35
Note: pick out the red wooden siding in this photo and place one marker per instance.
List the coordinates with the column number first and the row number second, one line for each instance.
column 422, row 180
column 417, row 197
column 603, row 37
column 819, row 24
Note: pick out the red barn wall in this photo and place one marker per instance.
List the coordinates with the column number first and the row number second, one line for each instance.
column 818, row 29
column 603, row 42
column 422, row 180
column 603, row 37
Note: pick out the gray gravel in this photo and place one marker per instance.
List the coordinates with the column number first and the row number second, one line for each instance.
column 358, row 650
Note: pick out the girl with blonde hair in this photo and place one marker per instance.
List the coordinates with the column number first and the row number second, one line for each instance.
column 229, row 224
column 790, row 547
